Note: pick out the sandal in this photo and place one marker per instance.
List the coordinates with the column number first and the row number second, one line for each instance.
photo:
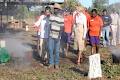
column 78, row 62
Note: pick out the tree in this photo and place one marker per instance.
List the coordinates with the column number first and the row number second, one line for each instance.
column 22, row 12
column 100, row 4
column 71, row 3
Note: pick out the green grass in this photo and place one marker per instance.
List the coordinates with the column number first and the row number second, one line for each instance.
column 111, row 70
column 66, row 71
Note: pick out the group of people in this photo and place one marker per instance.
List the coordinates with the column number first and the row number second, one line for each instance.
column 55, row 29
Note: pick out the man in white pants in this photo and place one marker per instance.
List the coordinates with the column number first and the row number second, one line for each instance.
column 118, row 36
column 114, row 26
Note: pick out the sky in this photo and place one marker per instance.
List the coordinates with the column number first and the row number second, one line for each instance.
column 58, row 0
column 88, row 3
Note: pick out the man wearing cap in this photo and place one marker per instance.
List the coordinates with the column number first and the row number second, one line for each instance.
column 57, row 23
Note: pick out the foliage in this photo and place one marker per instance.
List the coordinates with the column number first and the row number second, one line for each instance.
column 23, row 12
column 71, row 4
column 100, row 4
column 110, row 70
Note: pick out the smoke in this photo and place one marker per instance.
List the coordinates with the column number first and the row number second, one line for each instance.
column 116, row 50
column 20, row 51
column 16, row 46
column 115, row 54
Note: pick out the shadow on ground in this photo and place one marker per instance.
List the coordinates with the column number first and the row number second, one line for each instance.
column 83, row 73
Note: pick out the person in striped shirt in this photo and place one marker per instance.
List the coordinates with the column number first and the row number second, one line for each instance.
column 57, row 23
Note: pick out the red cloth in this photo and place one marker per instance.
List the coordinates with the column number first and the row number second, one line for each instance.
column 95, row 25
column 68, row 23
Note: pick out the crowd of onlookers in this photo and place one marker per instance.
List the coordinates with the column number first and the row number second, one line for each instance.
column 56, row 28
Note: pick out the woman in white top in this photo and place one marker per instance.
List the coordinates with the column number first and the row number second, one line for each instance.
column 80, row 31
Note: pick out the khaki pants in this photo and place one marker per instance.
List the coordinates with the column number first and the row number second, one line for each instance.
column 78, row 40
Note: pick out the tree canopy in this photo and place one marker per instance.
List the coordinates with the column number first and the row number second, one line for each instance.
column 71, row 4
column 100, row 4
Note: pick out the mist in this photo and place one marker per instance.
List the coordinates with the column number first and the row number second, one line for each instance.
column 18, row 48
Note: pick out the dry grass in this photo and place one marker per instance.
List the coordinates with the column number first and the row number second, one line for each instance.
column 68, row 69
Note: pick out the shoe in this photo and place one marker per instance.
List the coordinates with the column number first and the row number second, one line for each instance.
column 79, row 61
column 51, row 66
column 56, row 66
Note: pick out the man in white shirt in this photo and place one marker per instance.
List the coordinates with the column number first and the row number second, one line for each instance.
column 114, row 26
column 43, row 33
column 118, row 29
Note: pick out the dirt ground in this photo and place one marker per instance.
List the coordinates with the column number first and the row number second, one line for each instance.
column 68, row 69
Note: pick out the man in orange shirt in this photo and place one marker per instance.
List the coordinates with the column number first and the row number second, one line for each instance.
column 68, row 23
column 95, row 25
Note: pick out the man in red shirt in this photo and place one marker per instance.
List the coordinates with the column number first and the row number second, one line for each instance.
column 95, row 25
column 68, row 23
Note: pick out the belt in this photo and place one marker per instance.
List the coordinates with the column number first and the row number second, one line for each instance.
column 113, row 24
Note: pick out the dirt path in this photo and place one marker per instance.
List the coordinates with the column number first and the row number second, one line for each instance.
column 28, row 67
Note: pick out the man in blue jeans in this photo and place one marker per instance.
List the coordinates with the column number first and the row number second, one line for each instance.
column 106, row 28
column 57, row 23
